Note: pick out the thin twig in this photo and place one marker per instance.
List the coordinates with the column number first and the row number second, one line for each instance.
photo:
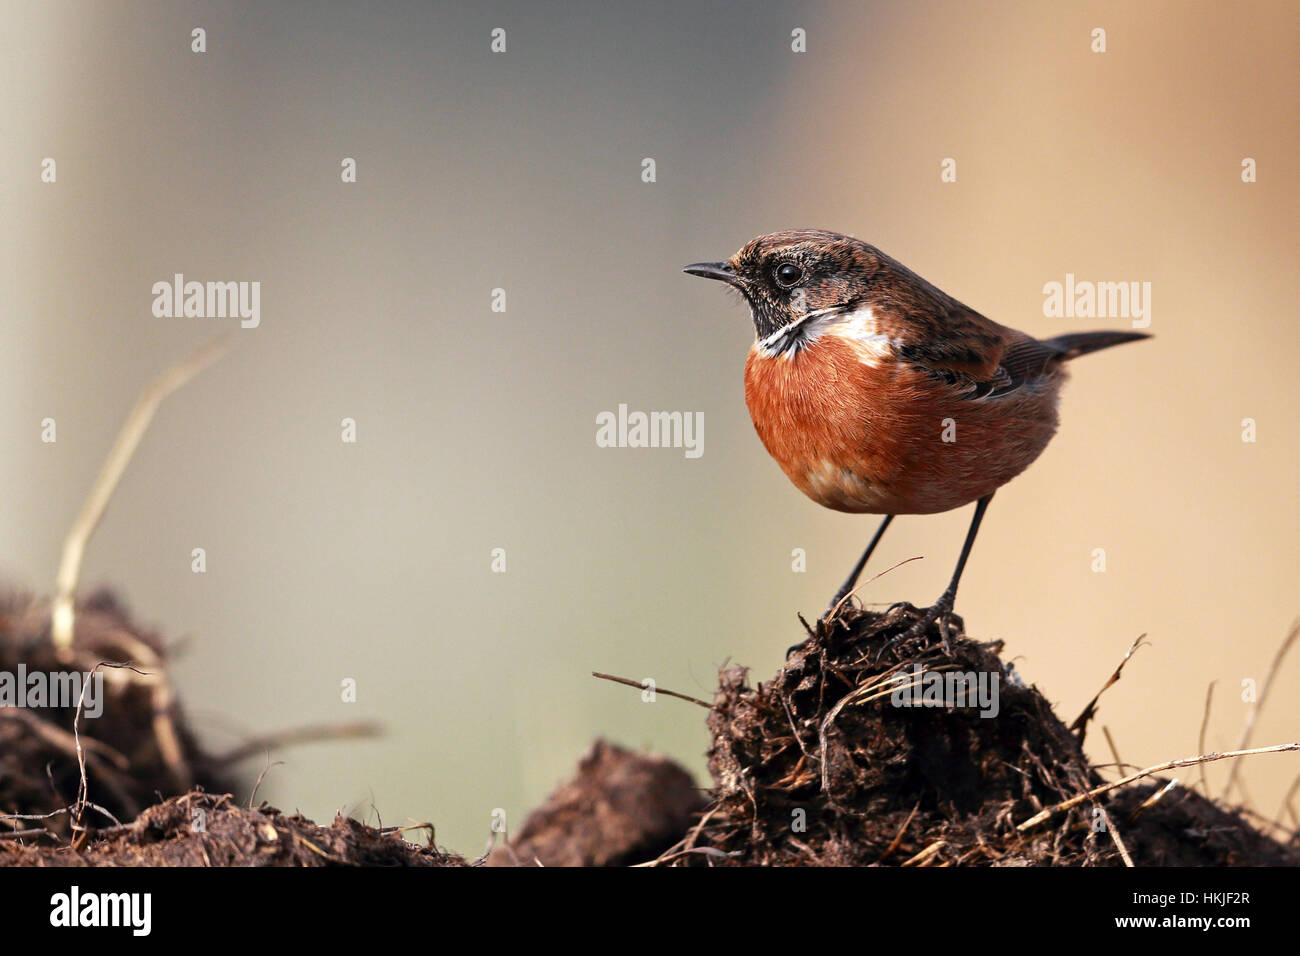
column 641, row 685
column 1286, row 803
column 702, row 850
column 898, row 838
column 22, row 834
column 1081, row 722
column 1155, row 798
column 830, row 615
column 297, row 735
column 1200, row 738
column 82, row 786
column 329, row 857
column 1114, row 835
column 63, row 613
column 265, row 770
column 504, row 834
column 922, row 858
column 1259, row 701
column 1114, row 751
column 699, row 827
column 1158, row 768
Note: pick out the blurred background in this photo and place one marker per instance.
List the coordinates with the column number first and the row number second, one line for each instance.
column 476, row 429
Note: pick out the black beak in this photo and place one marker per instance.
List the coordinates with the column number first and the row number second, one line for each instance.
column 714, row 270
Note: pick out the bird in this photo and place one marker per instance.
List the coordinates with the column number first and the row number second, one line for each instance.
column 878, row 393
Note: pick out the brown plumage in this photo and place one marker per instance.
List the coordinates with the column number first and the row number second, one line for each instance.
column 877, row 392
column 862, row 436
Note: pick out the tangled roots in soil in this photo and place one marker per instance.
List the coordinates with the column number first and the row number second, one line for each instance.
column 138, row 748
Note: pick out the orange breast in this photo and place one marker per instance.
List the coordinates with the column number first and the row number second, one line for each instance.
column 859, row 432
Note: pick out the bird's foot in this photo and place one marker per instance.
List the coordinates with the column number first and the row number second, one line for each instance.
column 940, row 612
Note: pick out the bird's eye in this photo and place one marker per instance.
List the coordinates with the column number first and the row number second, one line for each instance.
column 788, row 275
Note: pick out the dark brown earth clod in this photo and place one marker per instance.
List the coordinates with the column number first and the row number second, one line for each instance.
column 621, row 807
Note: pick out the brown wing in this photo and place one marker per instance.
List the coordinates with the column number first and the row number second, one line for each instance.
column 1024, row 360
column 952, row 340
column 977, row 355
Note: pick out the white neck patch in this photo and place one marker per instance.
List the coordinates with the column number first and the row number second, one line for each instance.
column 859, row 328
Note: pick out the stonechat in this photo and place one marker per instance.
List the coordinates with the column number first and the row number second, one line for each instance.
column 878, row 393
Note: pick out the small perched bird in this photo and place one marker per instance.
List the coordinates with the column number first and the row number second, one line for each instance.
column 878, row 393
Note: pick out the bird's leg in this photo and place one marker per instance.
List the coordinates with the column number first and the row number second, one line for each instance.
column 941, row 610
column 847, row 587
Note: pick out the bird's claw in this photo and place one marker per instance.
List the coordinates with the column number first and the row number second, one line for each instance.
column 940, row 612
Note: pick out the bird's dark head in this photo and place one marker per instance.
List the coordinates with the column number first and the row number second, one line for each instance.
column 786, row 275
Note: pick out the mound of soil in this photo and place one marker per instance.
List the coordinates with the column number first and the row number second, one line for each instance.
column 837, row 762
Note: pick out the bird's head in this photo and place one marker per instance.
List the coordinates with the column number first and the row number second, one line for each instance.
column 784, row 276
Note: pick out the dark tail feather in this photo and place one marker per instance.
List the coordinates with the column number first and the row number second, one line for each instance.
column 1074, row 344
